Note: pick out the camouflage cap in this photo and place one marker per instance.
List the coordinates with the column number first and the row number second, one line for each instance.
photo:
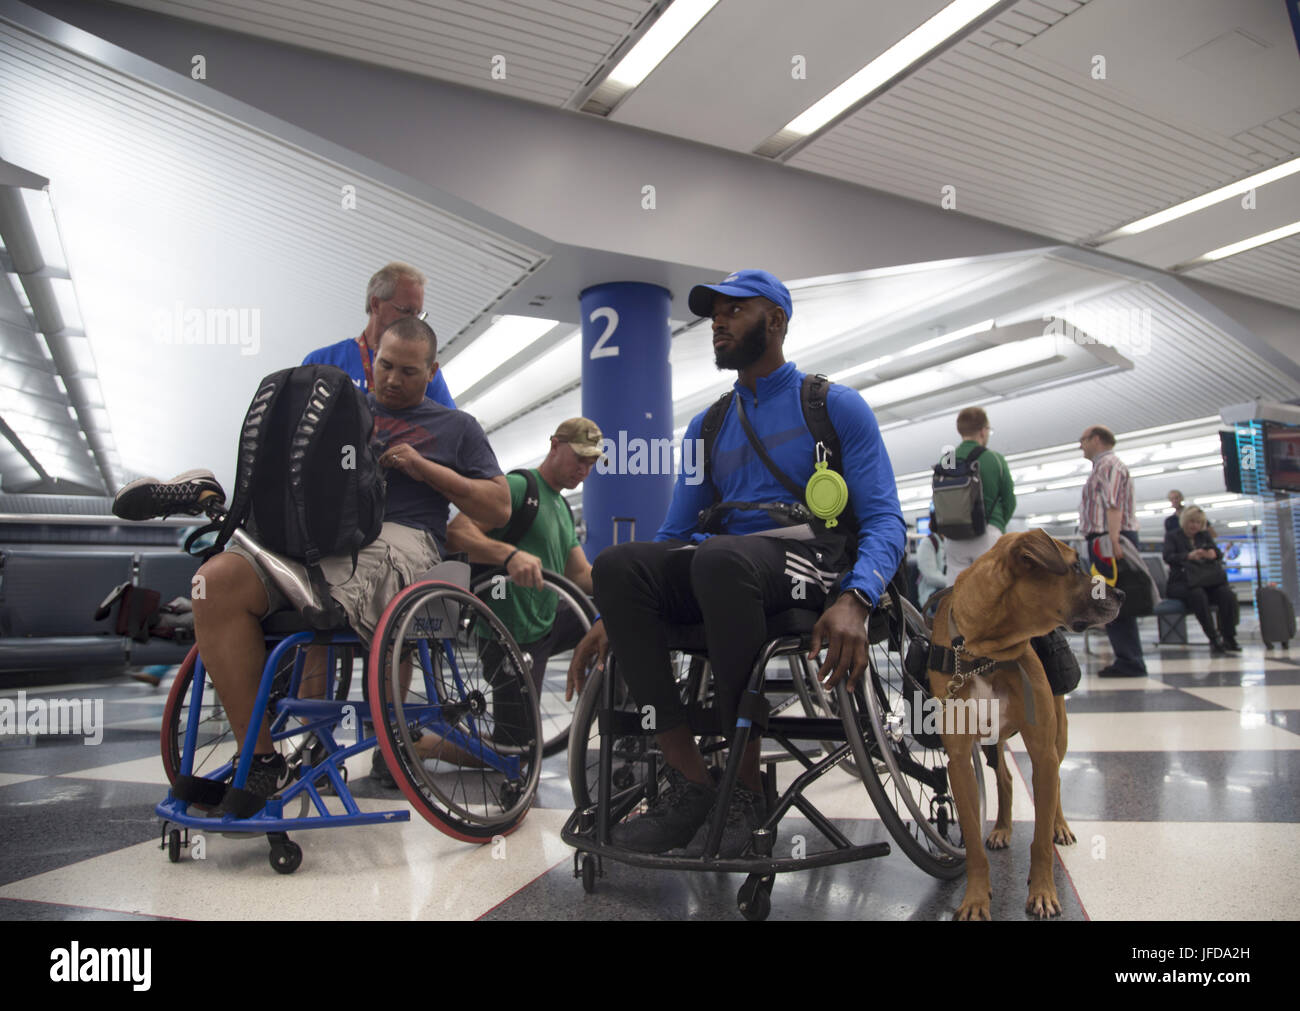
column 582, row 434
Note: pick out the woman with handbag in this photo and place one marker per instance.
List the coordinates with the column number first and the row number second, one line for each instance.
column 1197, row 577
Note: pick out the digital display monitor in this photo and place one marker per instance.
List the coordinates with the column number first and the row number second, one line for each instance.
column 923, row 525
column 1282, row 456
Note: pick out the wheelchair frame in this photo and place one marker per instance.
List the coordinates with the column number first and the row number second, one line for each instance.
column 850, row 734
column 449, row 718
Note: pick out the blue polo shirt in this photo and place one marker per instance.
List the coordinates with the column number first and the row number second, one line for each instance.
column 776, row 412
column 346, row 355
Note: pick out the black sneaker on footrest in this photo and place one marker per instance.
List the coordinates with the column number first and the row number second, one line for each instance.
column 148, row 498
column 672, row 820
column 747, row 811
column 267, row 776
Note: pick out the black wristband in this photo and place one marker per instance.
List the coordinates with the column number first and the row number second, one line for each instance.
column 506, row 563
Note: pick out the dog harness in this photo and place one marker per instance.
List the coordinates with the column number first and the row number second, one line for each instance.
column 952, row 660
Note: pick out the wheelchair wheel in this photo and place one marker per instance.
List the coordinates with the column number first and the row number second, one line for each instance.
column 463, row 741
column 907, row 781
column 216, row 746
column 556, row 713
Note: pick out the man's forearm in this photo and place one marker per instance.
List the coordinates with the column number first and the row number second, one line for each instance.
column 1113, row 520
column 463, row 534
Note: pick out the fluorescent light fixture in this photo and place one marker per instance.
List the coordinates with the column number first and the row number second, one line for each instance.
column 1070, row 482
column 963, row 371
column 41, row 213
column 889, row 64
column 550, row 372
column 1208, row 461
column 949, row 338
column 495, row 346
column 66, row 296
column 1027, row 491
column 1066, row 517
column 673, row 25
column 1232, row 249
column 1206, row 200
column 1244, row 523
column 857, row 370
column 1147, row 471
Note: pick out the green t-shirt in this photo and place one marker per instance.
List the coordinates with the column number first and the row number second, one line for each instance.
column 995, row 478
column 529, row 614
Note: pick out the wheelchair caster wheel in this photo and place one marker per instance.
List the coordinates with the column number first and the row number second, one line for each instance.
column 510, row 793
column 754, row 900
column 285, row 857
column 174, row 846
column 589, row 871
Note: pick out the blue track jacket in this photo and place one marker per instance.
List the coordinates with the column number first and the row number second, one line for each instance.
column 740, row 476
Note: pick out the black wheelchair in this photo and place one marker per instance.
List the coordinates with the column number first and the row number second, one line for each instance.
column 461, row 737
column 616, row 769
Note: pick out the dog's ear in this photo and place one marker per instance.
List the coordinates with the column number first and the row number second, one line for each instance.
column 1038, row 550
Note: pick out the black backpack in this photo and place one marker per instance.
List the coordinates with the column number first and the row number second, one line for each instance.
column 812, row 399
column 523, row 518
column 307, row 481
column 959, row 498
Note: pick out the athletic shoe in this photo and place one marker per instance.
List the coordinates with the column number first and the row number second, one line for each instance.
column 1111, row 671
column 747, row 812
column 148, row 498
column 1230, row 644
column 267, row 776
column 672, row 820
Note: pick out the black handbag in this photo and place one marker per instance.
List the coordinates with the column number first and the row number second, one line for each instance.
column 1206, row 574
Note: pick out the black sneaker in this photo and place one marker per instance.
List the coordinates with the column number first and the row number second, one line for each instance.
column 268, row 775
column 680, row 809
column 1230, row 644
column 148, row 498
column 747, row 811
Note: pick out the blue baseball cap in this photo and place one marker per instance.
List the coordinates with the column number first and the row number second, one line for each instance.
column 741, row 284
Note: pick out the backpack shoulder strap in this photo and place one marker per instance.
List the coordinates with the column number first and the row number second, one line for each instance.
column 522, row 519
column 815, row 415
column 975, row 454
column 252, row 449
column 709, row 433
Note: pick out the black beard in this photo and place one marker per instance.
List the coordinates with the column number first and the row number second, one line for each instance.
column 747, row 351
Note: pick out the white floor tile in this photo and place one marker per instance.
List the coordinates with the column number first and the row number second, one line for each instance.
column 1177, row 731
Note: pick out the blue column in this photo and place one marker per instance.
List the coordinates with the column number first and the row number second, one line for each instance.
column 627, row 390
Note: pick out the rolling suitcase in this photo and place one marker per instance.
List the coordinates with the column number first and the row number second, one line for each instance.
column 1276, row 616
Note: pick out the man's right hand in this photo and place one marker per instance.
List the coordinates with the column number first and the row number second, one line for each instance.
column 526, row 570
column 592, row 651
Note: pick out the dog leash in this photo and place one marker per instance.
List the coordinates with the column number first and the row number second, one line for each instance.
column 961, row 656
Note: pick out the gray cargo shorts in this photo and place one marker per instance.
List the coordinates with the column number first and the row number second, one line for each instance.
column 393, row 560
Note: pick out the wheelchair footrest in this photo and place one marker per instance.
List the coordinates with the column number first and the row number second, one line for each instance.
column 243, row 803
column 197, row 790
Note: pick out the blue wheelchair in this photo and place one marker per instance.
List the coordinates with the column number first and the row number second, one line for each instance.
column 616, row 768
column 462, row 737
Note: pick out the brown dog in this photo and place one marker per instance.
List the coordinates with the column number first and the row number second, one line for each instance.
column 1025, row 585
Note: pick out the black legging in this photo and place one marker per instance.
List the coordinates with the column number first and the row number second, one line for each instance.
column 1198, row 600
column 729, row 583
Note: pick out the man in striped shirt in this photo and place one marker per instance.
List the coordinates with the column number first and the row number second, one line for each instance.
column 1108, row 511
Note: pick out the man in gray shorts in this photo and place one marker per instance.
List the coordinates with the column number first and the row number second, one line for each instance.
column 435, row 456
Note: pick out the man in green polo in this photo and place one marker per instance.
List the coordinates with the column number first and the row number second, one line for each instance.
column 999, row 492
column 550, row 542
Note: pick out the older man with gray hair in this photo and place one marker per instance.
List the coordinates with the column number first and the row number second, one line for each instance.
column 395, row 291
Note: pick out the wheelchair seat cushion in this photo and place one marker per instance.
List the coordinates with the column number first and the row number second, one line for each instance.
column 797, row 621
column 288, row 622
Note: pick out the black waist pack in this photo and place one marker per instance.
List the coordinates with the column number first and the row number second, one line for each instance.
column 1058, row 660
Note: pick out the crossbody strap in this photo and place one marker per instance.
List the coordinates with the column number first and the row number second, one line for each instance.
column 754, row 441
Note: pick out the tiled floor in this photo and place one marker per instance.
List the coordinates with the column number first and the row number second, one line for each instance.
column 1181, row 788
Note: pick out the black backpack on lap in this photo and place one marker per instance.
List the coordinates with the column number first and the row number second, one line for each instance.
column 307, row 482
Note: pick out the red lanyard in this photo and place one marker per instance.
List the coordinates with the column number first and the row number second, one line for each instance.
column 365, row 361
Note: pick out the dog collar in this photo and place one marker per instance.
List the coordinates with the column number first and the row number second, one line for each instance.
column 944, row 660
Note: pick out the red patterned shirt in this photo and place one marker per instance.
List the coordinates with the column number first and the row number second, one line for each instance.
column 1108, row 487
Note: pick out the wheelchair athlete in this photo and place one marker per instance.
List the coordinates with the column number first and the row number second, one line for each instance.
column 731, row 581
column 435, row 455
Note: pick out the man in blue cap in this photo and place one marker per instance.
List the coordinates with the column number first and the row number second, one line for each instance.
column 756, row 555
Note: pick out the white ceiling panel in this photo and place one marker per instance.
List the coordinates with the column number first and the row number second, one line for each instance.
column 545, row 50
column 167, row 208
